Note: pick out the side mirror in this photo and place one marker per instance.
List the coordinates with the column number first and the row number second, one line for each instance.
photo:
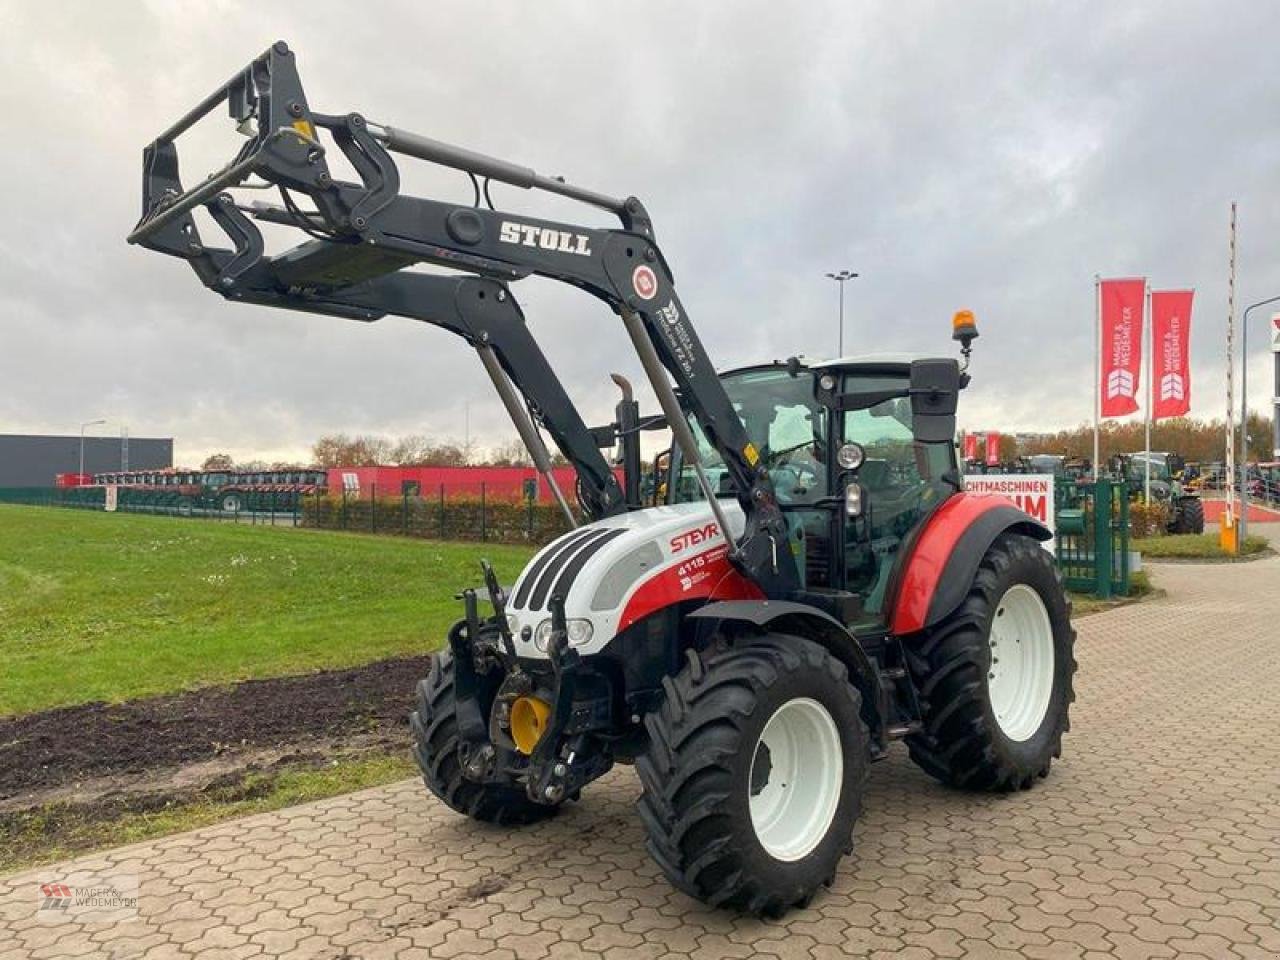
column 935, row 391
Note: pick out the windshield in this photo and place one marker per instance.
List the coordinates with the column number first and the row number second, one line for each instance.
column 787, row 427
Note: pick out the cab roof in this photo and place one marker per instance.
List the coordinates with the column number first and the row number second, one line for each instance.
column 898, row 363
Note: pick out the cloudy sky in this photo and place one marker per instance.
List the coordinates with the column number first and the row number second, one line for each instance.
column 980, row 155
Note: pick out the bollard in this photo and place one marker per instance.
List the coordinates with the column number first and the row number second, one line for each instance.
column 1102, row 539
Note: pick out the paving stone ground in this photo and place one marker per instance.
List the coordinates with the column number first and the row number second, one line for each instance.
column 1157, row 835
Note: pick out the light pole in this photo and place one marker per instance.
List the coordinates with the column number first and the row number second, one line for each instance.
column 1244, row 418
column 841, row 278
column 87, row 423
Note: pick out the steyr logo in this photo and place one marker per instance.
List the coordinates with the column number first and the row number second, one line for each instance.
column 544, row 238
column 691, row 538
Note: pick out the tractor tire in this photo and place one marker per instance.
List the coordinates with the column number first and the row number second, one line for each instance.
column 1188, row 515
column 231, row 503
column 754, row 774
column 990, row 725
column 435, row 747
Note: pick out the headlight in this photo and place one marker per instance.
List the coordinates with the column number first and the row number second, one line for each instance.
column 851, row 456
column 579, row 631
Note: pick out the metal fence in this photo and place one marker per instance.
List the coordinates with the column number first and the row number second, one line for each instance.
column 440, row 514
column 267, row 508
column 1093, row 540
column 437, row 515
column 1092, row 525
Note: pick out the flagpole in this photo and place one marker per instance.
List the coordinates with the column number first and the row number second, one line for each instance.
column 1151, row 374
column 1229, row 516
column 1097, row 367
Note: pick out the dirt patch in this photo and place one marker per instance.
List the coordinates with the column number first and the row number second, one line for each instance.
column 60, row 748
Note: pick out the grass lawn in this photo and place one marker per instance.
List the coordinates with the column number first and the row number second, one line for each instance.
column 97, row 606
column 1086, row 603
column 1190, row 546
column 58, row 830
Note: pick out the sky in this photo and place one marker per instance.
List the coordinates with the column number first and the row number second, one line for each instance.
column 989, row 156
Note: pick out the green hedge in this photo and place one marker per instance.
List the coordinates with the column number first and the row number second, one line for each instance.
column 450, row 518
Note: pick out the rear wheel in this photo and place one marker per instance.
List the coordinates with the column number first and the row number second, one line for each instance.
column 754, row 774
column 995, row 676
column 435, row 746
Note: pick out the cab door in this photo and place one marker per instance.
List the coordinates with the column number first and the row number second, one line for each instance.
column 902, row 480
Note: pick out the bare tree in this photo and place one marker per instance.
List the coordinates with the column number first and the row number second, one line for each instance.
column 218, row 461
column 511, row 453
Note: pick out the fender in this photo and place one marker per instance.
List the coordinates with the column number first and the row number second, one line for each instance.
column 822, row 628
column 940, row 565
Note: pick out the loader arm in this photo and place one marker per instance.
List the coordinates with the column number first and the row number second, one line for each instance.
column 365, row 233
column 486, row 315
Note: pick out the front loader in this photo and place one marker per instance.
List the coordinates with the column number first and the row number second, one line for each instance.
column 815, row 586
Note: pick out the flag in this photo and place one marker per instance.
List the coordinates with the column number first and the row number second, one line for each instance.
column 1121, row 345
column 993, row 449
column 971, row 446
column 1170, row 343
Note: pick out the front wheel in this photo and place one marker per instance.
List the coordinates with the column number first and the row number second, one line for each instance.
column 434, row 725
column 754, row 774
column 995, row 676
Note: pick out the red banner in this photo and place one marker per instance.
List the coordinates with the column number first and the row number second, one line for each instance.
column 971, row 446
column 1171, row 341
column 993, row 449
column 1121, row 345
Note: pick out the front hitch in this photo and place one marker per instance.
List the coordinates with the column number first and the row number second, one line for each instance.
column 563, row 760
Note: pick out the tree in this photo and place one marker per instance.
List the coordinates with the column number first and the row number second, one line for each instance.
column 339, row 450
column 218, row 461
column 512, row 453
column 411, row 451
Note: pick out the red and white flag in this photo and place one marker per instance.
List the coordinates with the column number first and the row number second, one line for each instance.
column 971, row 446
column 1121, row 345
column 1170, row 344
column 993, row 449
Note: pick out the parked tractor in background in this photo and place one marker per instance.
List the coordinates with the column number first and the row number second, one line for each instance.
column 1167, row 472
column 816, row 586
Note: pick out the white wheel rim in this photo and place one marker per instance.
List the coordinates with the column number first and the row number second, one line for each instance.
column 795, row 790
column 1020, row 681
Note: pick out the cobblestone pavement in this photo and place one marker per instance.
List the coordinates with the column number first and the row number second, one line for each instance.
column 1158, row 835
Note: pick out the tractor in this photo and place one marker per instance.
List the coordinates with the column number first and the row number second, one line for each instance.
column 1168, row 472
column 814, row 586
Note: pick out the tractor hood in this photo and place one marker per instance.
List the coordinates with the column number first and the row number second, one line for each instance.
column 616, row 571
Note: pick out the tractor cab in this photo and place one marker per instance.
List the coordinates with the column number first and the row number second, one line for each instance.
column 857, row 458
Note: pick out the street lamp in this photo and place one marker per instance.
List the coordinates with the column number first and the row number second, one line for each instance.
column 1242, row 527
column 87, row 423
column 841, row 278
